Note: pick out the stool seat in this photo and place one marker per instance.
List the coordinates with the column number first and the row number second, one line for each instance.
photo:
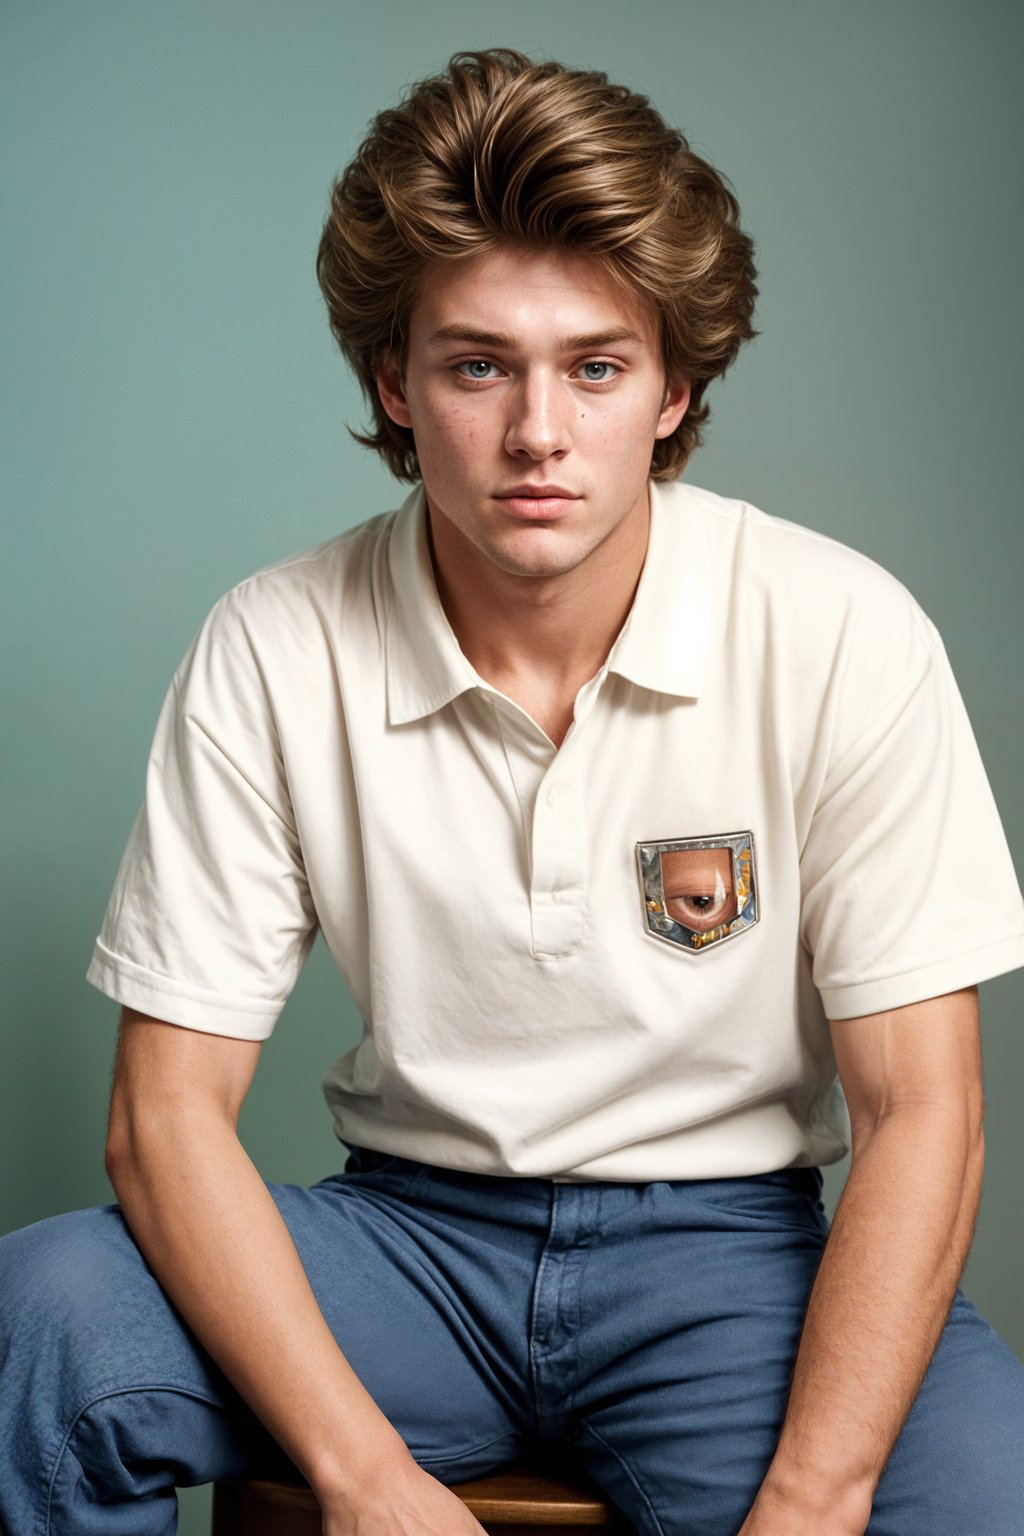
column 521, row 1499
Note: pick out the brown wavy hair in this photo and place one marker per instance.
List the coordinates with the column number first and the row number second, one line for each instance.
column 498, row 149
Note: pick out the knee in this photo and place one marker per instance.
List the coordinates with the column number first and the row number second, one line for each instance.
column 64, row 1277
column 959, row 1462
column 983, row 1480
column 978, row 1492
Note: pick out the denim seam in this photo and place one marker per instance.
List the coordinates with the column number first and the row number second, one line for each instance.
column 588, row 1429
column 532, row 1345
column 159, row 1386
column 214, row 1402
column 585, row 1253
column 473, row 1450
column 417, row 1178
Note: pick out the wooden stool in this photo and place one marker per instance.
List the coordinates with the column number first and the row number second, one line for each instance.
column 518, row 1500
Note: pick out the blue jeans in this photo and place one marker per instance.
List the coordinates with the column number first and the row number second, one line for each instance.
column 650, row 1329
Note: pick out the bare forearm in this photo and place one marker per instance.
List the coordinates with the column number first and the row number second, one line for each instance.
column 894, row 1257
column 212, row 1234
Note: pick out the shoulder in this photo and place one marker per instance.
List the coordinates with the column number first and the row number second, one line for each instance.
column 294, row 595
column 324, row 571
column 815, row 594
column 288, row 614
column 778, row 555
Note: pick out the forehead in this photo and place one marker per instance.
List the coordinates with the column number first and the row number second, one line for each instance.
column 528, row 294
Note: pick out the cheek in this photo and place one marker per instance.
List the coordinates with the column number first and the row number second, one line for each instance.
column 632, row 420
column 624, row 434
column 440, row 428
column 449, row 443
column 451, row 421
column 460, row 434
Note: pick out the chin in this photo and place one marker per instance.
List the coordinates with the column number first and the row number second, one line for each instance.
column 541, row 566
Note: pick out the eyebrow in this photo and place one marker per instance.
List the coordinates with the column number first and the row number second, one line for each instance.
column 590, row 342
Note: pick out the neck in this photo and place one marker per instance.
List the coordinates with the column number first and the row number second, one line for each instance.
column 538, row 634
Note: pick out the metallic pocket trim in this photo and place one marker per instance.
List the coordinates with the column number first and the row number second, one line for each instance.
column 740, row 898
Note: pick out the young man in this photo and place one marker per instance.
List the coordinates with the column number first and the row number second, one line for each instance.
column 631, row 815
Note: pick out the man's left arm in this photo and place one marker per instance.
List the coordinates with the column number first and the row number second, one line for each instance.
column 899, row 1240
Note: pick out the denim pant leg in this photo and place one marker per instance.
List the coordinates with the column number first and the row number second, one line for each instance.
column 107, row 1401
column 690, row 1309
column 957, row 1468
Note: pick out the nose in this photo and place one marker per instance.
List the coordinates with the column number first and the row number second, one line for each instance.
column 539, row 425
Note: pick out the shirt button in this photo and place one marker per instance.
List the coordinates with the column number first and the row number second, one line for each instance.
column 556, row 895
column 551, row 797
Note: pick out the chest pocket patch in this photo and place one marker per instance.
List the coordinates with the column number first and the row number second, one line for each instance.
column 699, row 891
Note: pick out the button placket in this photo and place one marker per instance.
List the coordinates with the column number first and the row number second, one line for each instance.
column 558, row 885
column 550, row 790
column 529, row 756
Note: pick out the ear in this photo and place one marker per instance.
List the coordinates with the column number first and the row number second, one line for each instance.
column 674, row 408
column 391, row 389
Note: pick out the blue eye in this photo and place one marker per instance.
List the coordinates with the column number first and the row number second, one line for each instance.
column 477, row 368
column 598, row 377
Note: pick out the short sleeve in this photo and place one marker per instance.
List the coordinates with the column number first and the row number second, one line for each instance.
column 908, row 889
column 210, row 920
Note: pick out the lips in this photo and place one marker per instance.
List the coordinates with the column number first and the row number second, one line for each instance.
column 543, row 492
column 539, row 503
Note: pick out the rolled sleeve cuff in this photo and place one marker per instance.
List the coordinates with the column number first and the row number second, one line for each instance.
column 913, row 986
column 176, row 1002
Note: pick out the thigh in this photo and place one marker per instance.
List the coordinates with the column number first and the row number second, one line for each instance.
column 958, row 1464
column 690, row 1316
column 106, row 1400
column 693, row 1321
column 104, row 1391
column 425, row 1284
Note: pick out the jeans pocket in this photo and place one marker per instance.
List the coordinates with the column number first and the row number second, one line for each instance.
column 787, row 1198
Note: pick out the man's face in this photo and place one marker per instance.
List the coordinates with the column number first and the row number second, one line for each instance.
column 535, row 390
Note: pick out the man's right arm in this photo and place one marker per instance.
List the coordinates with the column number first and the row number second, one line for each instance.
column 213, row 1236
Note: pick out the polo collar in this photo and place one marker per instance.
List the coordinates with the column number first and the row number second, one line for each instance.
column 426, row 667
column 663, row 644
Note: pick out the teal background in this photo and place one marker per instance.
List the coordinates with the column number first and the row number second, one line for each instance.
column 174, row 416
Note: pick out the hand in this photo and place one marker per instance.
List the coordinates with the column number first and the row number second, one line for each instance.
column 759, row 1523
column 776, row 1514
column 404, row 1500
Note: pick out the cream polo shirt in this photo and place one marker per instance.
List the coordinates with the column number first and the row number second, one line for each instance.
column 614, row 960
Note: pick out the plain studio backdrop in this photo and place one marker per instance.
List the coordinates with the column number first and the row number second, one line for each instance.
column 174, row 417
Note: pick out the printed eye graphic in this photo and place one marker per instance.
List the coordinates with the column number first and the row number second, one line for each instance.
column 698, row 885
column 699, row 892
